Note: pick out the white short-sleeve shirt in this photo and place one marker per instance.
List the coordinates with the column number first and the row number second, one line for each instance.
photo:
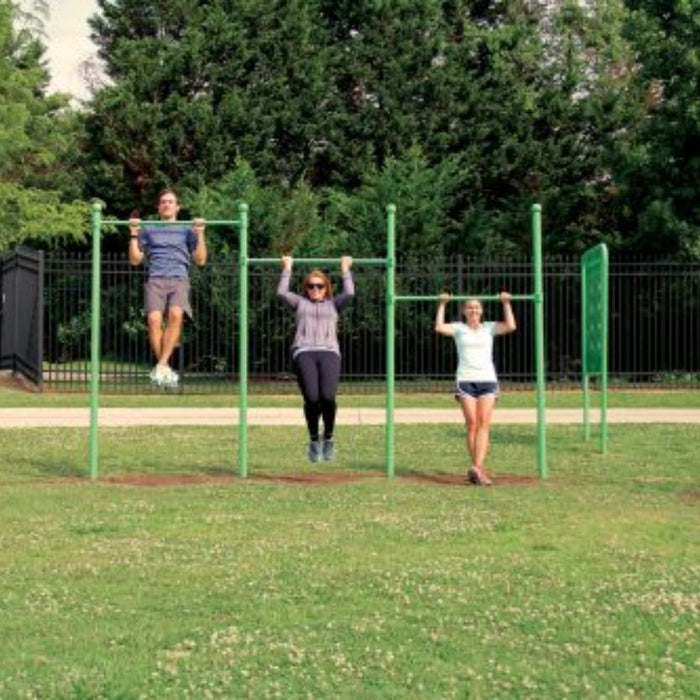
column 475, row 352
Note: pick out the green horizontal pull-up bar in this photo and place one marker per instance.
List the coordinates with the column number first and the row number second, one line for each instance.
column 159, row 222
column 463, row 297
column 318, row 261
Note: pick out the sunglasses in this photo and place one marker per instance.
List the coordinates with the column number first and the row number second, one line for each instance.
column 315, row 285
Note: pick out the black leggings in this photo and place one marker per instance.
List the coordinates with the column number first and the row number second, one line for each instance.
column 318, row 374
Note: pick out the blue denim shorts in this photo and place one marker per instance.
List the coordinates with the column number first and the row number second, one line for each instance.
column 475, row 390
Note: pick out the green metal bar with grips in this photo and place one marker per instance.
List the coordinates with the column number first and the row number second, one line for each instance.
column 317, row 261
column 462, row 297
column 159, row 222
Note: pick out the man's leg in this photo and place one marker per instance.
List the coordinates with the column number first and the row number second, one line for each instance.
column 177, row 291
column 171, row 336
column 155, row 333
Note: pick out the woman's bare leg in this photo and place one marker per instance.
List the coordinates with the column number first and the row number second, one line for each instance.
column 484, row 412
column 469, row 410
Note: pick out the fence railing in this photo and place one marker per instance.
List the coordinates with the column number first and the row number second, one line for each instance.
column 654, row 325
column 21, row 309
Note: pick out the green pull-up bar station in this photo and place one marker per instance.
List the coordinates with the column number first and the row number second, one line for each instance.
column 391, row 298
column 537, row 298
column 96, row 229
column 243, row 263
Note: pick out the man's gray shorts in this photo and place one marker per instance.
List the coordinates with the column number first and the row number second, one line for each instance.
column 160, row 293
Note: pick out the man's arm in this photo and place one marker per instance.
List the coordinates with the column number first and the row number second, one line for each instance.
column 135, row 252
column 199, row 254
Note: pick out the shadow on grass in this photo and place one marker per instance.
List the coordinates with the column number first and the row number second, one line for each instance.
column 52, row 469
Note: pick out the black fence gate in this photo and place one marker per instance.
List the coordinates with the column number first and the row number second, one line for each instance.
column 22, row 313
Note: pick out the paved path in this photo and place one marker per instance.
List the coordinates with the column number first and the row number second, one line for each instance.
column 80, row 417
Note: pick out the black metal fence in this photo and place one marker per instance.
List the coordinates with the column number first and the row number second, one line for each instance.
column 21, row 309
column 654, row 325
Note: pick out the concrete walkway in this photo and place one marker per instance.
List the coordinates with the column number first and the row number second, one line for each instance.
column 126, row 417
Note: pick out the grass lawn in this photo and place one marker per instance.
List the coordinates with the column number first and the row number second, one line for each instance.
column 584, row 585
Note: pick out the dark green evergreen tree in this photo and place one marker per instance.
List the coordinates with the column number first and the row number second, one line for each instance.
column 196, row 85
column 661, row 184
column 504, row 103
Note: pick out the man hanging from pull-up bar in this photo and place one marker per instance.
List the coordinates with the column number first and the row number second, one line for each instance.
column 170, row 248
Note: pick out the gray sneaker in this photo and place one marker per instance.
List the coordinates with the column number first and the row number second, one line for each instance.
column 314, row 452
column 328, row 450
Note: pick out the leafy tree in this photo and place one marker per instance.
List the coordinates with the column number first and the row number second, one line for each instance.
column 39, row 176
column 318, row 92
column 198, row 84
column 38, row 217
column 660, row 188
column 506, row 103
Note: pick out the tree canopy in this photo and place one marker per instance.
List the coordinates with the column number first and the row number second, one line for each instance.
column 40, row 175
column 463, row 112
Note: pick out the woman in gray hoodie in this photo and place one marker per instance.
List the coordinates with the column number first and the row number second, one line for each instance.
column 315, row 351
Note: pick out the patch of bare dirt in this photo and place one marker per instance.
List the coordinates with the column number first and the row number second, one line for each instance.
column 442, row 479
column 296, row 479
column 325, row 478
column 313, row 478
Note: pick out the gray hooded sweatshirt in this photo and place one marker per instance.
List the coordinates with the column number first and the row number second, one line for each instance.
column 317, row 322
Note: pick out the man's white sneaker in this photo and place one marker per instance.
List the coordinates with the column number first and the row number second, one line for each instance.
column 171, row 378
column 163, row 375
column 159, row 374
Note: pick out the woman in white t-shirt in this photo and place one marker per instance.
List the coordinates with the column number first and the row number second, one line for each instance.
column 476, row 384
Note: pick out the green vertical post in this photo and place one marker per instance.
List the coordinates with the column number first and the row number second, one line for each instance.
column 604, row 359
column 536, row 217
column 243, row 341
column 390, row 453
column 93, row 446
column 584, row 352
column 586, row 408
